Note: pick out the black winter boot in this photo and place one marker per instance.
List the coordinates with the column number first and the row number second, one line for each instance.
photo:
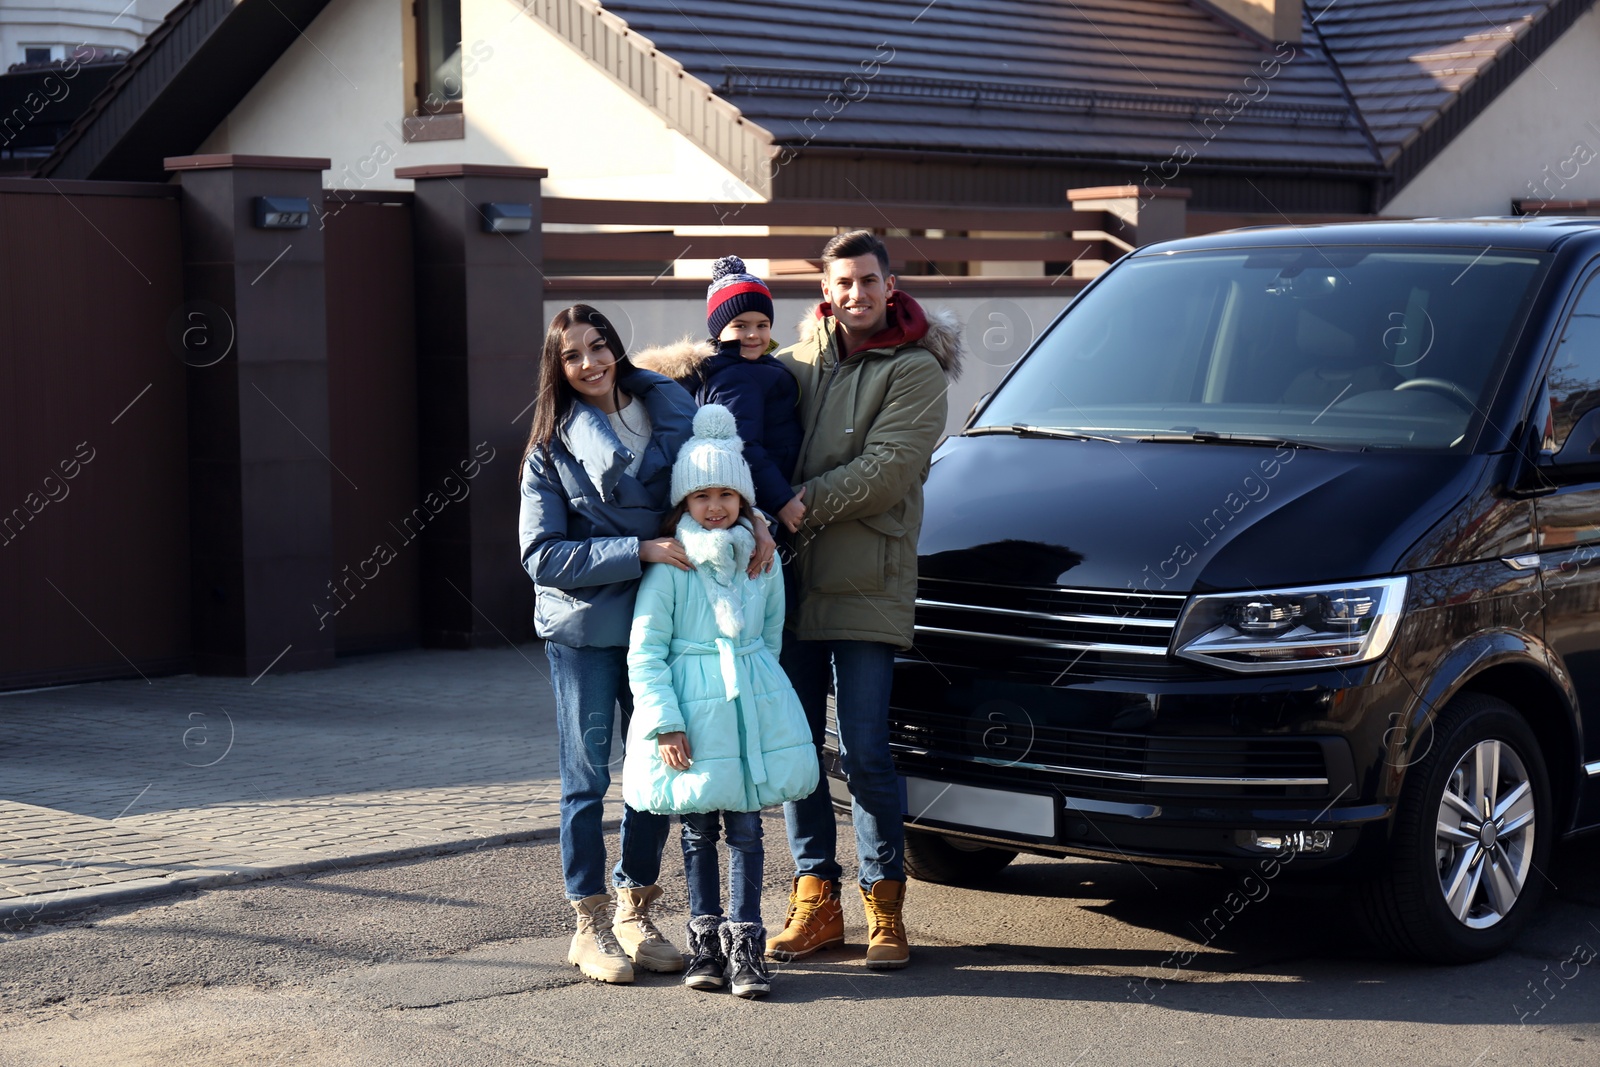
column 745, row 946
column 708, row 963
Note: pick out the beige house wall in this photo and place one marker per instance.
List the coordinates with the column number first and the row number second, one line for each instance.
column 342, row 91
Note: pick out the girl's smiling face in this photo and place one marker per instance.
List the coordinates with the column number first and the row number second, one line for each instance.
column 588, row 363
column 716, row 508
column 752, row 330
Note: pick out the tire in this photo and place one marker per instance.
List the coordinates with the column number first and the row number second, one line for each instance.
column 932, row 857
column 1451, row 890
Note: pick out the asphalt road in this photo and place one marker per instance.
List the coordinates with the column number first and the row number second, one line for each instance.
column 461, row 960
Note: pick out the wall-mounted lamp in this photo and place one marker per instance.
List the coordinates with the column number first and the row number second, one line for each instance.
column 507, row 218
column 282, row 212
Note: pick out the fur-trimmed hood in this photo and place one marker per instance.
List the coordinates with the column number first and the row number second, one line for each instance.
column 687, row 361
column 937, row 330
column 679, row 360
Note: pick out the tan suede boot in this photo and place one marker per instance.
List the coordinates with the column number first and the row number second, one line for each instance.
column 594, row 949
column 815, row 920
column 638, row 935
column 887, row 947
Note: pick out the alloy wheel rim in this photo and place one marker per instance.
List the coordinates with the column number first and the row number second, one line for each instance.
column 1483, row 841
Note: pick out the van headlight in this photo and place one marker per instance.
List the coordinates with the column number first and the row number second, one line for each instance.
column 1286, row 629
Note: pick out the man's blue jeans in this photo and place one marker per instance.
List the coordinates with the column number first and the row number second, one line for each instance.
column 589, row 685
column 745, row 855
column 861, row 672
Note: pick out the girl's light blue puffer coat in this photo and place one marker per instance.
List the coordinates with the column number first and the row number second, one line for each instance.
column 751, row 749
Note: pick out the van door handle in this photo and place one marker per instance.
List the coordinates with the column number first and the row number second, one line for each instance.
column 1528, row 561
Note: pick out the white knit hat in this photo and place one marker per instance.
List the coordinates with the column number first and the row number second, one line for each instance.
column 714, row 456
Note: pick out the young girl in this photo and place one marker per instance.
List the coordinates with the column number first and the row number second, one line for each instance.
column 717, row 731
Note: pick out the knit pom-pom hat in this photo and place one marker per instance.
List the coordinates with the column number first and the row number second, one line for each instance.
column 733, row 292
column 713, row 457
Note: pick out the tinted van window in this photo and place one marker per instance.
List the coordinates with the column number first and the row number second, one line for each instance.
column 1346, row 347
column 1575, row 373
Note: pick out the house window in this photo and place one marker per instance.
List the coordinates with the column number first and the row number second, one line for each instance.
column 33, row 54
column 438, row 55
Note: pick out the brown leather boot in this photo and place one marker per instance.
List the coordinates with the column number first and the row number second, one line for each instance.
column 887, row 948
column 815, row 920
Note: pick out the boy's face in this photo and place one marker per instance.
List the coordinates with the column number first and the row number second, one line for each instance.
column 716, row 508
column 859, row 291
column 752, row 330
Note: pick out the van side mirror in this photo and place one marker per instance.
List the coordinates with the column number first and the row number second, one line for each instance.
column 1582, row 446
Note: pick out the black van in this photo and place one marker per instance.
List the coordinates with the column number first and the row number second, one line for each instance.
column 1280, row 550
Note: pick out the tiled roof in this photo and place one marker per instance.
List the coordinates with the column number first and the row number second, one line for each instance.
column 1420, row 71
column 1373, row 92
column 1405, row 61
column 1089, row 79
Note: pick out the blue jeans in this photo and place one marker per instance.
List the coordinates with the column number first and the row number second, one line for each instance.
column 861, row 672
column 589, row 684
column 745, row 857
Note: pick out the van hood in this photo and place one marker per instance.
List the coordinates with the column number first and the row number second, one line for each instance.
column 1181, row 517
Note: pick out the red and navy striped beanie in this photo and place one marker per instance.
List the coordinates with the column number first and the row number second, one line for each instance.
column 732, row 293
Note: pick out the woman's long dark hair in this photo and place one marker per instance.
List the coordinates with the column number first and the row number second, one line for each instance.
column 556, row 394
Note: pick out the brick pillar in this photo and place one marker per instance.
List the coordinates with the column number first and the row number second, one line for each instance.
column 255, row 338
column 480, row 326
column 1135, row 216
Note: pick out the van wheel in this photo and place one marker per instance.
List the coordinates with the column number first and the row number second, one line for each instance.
column 934, row 857
column 1470, row 841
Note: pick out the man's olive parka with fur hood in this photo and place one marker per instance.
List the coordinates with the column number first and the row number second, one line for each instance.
column 870, row 422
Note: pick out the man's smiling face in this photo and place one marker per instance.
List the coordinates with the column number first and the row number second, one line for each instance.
column 858, row 288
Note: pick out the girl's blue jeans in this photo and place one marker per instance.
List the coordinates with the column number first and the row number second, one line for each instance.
column 590, row 684
column 745, row 857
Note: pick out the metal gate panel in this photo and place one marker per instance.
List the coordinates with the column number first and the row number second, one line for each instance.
column 374, row 598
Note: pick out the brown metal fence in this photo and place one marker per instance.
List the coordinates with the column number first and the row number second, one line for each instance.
column 95, row 409
column 919, row 234
column 94, row 515
column 372, row 422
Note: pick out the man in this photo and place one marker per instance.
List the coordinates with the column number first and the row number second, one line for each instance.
column 872, row 368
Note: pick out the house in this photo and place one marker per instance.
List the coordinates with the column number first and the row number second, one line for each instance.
column 282, row 392
column 1350, row 106
column 55, row 60
column 40, row 101
column 39, row 33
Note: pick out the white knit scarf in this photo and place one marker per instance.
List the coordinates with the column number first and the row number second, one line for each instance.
column 720, row 558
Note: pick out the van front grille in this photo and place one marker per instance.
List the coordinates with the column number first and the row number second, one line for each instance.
column 1046, row 634
column 1118, row 763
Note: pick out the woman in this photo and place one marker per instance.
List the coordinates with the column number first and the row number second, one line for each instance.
column 596, row 476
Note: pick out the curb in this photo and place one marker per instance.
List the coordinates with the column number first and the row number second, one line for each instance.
column 67, row 904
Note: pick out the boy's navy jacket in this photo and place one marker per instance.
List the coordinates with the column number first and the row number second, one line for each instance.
column 583, row 515
column 764, row 399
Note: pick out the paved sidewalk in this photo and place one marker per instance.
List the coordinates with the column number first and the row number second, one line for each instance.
column 115, row 791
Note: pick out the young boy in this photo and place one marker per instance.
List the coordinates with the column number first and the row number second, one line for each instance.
column 736, row 369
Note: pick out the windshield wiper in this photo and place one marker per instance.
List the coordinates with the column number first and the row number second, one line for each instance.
column 1019, row 430
column 1207, row 437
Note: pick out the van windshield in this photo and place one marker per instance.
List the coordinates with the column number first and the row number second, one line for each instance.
column 1345, row 347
